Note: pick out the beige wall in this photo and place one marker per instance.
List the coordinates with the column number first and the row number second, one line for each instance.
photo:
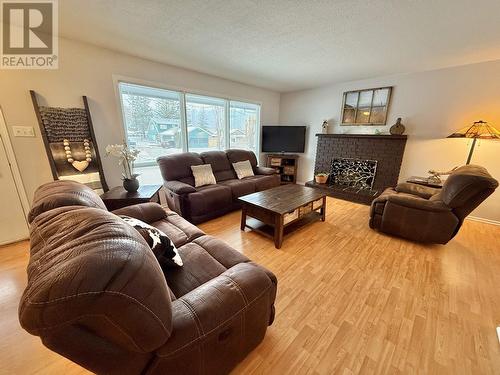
column 89, row 70
column 432, row 105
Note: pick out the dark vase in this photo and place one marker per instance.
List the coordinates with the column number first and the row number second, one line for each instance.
column 131, row 184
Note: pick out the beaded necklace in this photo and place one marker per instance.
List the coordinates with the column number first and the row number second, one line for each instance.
column 79, row 165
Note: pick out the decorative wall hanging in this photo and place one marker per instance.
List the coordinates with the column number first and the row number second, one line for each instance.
column 366, row 107
column 70, row 143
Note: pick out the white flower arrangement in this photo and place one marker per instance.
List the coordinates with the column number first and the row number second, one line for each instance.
column 126, row 157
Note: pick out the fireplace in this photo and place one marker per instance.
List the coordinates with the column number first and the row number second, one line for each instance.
column 361, row 166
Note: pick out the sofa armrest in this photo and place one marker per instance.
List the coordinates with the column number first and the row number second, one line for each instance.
column 237, row 303
column 418, row 203
column 416, row 189
column 265, row 171
column 178, row 187
column 147, row 212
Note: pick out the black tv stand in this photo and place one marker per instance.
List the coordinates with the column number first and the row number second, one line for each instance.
column 286, row 165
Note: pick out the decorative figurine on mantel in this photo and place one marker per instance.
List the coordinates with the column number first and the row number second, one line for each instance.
column 398, row 128
column 126, row 157
column 324, row 127
column 435, row 176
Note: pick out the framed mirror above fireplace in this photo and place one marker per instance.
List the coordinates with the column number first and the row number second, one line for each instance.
column 366, row 107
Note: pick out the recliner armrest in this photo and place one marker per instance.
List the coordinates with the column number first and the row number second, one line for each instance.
column 416, row 189
column 178, row 187
column 148, row 212
column 418, row 203
column 265, row 171
column 244, row 290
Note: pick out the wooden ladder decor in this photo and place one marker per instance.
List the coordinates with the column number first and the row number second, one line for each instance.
column 70, row 143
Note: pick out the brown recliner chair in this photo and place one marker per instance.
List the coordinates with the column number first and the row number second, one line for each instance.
column 425, row 214
column 97, row 295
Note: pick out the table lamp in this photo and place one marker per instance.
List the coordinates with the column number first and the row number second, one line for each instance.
column 479, row 129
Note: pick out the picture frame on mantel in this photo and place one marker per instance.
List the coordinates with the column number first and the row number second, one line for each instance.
column 367, row 107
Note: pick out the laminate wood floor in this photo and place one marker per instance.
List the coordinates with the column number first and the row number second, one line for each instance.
column 350, row 300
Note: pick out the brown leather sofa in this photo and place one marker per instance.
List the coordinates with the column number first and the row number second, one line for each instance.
column 206, row 202
column 425, row 214
column 97, row 295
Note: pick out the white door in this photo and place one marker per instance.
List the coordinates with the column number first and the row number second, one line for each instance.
column 13, row 226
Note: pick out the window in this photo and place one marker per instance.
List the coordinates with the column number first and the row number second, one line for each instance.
column 206, row 123
column 244, row 125
column 152, row 120
column 161, row 122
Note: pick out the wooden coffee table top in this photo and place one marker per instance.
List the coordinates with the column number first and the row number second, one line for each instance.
column 283, row 199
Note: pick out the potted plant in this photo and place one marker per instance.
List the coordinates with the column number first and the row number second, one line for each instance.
column 321, row 178
column 126, row 157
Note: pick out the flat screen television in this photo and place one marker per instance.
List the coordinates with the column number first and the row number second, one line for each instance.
column 283, row 138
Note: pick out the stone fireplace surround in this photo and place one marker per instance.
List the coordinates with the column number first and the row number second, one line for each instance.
column 387, row 150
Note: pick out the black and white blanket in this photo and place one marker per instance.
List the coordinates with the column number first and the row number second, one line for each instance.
column 160, row 244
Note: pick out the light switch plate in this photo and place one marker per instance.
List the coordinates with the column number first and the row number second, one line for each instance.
column 23, row 131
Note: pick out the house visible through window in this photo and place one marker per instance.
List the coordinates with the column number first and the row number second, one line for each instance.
column 206, row 123
column 161, row 122
column 244, row 125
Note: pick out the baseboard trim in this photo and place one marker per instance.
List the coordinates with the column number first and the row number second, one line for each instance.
column 482, row 220
column 19, row 239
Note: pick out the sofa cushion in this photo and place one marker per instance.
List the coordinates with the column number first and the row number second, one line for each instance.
column 209, row 198
column 220, row 164
column 221, row 251
column 264, row 182
column 240, row 187
column 178, row 166
column 235, row 156
column 199, row 267
column 179, row 231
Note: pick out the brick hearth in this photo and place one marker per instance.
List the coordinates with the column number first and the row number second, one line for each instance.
column 386, row 149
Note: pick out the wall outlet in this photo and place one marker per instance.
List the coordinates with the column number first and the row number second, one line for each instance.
column 23, row 131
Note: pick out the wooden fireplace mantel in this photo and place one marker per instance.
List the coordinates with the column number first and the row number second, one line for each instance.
column 371, row 136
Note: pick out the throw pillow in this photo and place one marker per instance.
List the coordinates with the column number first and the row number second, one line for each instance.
column 243, row 169
column 203, row 175
column 164, row 250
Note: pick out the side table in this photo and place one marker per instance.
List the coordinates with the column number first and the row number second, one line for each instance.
column 118, row 197
column 425, row 182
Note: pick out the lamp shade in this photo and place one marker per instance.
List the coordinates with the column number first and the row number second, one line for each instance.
column 479, row 129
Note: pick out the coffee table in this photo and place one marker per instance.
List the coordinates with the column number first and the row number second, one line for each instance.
column 282, row 209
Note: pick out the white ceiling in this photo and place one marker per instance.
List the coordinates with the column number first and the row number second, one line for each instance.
column 287, row 45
